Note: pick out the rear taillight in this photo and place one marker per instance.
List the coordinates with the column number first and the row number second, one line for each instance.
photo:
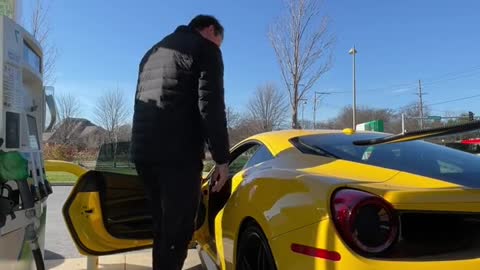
column 367, row 222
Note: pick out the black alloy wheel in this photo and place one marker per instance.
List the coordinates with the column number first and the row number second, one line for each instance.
column 253, row 251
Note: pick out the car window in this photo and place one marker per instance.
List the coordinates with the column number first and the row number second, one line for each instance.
column 418, row 157
column 241, row 160
column 262, row 154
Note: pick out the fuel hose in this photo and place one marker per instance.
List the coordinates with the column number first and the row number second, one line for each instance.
column 32, row 238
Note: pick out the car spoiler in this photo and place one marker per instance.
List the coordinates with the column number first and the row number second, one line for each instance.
column 422, row 134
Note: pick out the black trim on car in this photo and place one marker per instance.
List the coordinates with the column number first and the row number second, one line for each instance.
column 307, row 149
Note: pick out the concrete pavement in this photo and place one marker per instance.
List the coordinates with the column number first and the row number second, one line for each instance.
column 61, row 253
column 127, row 261
column 58, row 244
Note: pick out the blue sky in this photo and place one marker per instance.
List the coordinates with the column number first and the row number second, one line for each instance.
column 398, row 43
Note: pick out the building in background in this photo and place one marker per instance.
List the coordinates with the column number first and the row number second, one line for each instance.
column 11, row 9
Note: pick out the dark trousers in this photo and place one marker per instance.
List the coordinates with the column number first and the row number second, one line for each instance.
column 174, row 194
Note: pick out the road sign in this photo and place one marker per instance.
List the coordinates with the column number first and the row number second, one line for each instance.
column 376, row 125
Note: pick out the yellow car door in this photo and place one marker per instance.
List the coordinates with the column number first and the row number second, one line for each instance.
column 106, row 213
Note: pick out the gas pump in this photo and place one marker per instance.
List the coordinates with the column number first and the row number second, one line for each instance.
column 24, row 188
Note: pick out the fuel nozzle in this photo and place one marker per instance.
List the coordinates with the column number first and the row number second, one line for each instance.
column 7, row 203
column 14, row 167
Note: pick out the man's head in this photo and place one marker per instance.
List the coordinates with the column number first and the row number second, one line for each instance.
column 209, row 28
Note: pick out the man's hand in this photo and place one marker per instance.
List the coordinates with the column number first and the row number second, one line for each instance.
column 219, row 177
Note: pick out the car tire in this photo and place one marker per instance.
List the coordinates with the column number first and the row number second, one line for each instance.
column 254, row 251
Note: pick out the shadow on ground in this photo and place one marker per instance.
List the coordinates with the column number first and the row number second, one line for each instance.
column 52, row 256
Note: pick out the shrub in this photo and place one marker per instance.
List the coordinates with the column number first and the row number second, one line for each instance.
column 59, row 152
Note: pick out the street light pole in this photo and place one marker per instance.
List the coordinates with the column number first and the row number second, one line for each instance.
column 303, row 108
column 314, row 108
column 353, row 52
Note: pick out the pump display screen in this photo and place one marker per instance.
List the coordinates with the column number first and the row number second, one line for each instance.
column 32, row 132
column 12, row 136
column 31, row 58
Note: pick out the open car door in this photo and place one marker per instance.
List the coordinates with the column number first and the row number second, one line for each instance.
column 107, row 211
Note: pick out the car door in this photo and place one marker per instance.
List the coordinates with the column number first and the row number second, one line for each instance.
column 106, row 211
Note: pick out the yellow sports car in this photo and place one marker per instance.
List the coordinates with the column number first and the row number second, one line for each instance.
column 320, row 199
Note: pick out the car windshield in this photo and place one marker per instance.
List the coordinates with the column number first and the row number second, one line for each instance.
column 417, row 157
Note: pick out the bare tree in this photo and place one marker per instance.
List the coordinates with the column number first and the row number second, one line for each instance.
column 412, row 114
column 125, row 133
column 112, row 113
column 303, row 49
column 233, row 118
column 246, row 127
column 41, row 28
column 268, row 106
column 69, row 108
column 364, row 114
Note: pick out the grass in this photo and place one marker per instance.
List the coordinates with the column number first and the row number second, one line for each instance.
column 65, row 178
column 56, row 178
column 125, row 170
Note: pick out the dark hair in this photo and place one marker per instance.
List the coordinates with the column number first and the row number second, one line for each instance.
column 202, row 21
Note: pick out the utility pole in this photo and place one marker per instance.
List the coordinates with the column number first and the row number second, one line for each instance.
column 420, row 95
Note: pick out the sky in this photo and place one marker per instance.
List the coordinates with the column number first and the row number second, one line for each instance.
column 100, row 45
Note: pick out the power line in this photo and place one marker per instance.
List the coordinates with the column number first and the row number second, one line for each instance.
column 440, row 102
column 431, row 81
column 453, row 100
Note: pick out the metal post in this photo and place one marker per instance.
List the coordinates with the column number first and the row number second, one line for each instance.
column 403, row 123
column 421, row 103
column 314, row 108
column 304, row 101
column 92, row 262
column 353, row 51
column 303, row 119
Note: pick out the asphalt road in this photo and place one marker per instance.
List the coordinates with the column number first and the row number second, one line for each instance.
column 59, row 244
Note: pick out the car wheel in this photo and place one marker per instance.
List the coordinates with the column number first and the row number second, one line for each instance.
column 254, row 251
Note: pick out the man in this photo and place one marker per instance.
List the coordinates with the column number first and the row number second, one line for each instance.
column 179, row 106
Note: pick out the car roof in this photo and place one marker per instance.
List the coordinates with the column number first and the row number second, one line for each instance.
column 278, row 140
